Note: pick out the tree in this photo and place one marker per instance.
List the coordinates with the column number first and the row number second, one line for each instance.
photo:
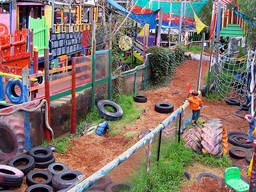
column 248, row 8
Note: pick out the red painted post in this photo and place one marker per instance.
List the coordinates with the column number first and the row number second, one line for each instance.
column 47, row 89
column 73, row 120
column 35, row 70
column 31, row 44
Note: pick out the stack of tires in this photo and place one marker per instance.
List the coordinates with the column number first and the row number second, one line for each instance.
column 48, row 176
column 206, row 139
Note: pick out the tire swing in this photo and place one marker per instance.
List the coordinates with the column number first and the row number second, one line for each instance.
column 112, row 116
column 11, row 93
column 164, row 107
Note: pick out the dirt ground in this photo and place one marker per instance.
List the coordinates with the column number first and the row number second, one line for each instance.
column 90, row 153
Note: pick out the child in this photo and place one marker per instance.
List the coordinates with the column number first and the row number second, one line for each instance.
column 252, row 124
column 195, row 106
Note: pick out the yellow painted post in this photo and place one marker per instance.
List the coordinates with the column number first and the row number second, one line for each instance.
column 18, row 18
column 244, row 26
column 228, row 16
column 62, row 15
column 232, row 18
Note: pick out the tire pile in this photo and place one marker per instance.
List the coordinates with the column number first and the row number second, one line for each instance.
column 205, row 139
column 241, row 151
column 56, row 177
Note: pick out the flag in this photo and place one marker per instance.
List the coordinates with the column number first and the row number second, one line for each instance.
column 199, row 24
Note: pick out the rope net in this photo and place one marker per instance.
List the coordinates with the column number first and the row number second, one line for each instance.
column 231, row 78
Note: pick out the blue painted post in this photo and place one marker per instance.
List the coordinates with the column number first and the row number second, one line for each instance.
column 1, row 88
column 25, row 74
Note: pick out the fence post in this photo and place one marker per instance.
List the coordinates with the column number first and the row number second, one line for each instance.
column 93, row 57
column 47, row 90
column 135, row 79
column 145, row 73
column 73, row 120
column 25, row 74
column 179, row 130
column 110, row 74
column 159, row 145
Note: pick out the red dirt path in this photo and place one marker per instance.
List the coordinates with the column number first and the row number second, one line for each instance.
column 90, row 153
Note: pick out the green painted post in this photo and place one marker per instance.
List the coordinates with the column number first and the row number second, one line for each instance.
column 135, row 79
column 93, row 59
column 110, row 74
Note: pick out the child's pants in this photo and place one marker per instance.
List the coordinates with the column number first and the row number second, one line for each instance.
column 250, row 132
column 195, row 114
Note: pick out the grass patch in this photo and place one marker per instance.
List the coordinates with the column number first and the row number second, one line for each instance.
column 61, row 144
column 168, row 173
column 131, row 112
column 194, row 49
column 130, row 134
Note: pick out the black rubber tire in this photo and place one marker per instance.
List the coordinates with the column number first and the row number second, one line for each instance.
column 39, row 174
column 10, row 176
column 12, row 137
column 236, row 113
column 244, row 108
column 140, row 98
column 248, row 158
column 187, row 175
column 44, row 164
column 101, row 184
column 39, row 187
column 236, row 140
column 29, row 160
column 204, row 90
column 211, row 176
column 231, row 101
column 112, row 187
column 164, row 107
column 232, row 152
column 41, row 154
column 109, row 115
column 65, row 179
column 57, row 168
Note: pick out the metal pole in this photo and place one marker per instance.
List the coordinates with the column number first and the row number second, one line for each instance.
column 159, row 145
column 53, row 15
column 218, row 37
column 47, row 90
column 110, row 75
column 181, row 21
column 134, row 85
column 252, row 85
column 73, row 120
column 210, row 65
column 169, row 25
column 158, row 39
column 200, row 66
column 10, row 10
column 179, row 130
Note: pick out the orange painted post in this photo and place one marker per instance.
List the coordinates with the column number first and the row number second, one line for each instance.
column 225, row 139
column 73, row 119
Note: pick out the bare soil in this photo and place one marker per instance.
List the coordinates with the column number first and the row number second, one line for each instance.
column 90, row 153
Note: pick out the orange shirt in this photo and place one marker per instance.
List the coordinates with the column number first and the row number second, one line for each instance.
column 194, row 103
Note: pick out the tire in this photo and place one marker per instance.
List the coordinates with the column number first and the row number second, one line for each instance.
column 39, row 187
column 65, row 179
column 140, row 98
column 27, row 159
column 40, row 80
column 164, row 107
column 109, row 115
column 44, row 164
column 233, row 152
column 57, row 168
column 248, row 158
column 236, row 140
column 10, row 91
column 232, row 102
column 12, row 140
column 211, row 176
column 39, row 174
column 121, row 186
column 10, row 176
column 187, row 175
column 101, row 184
column 204, row 90
column 41, row 154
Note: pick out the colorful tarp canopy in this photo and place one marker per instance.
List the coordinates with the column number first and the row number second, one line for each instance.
column 149, row 18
